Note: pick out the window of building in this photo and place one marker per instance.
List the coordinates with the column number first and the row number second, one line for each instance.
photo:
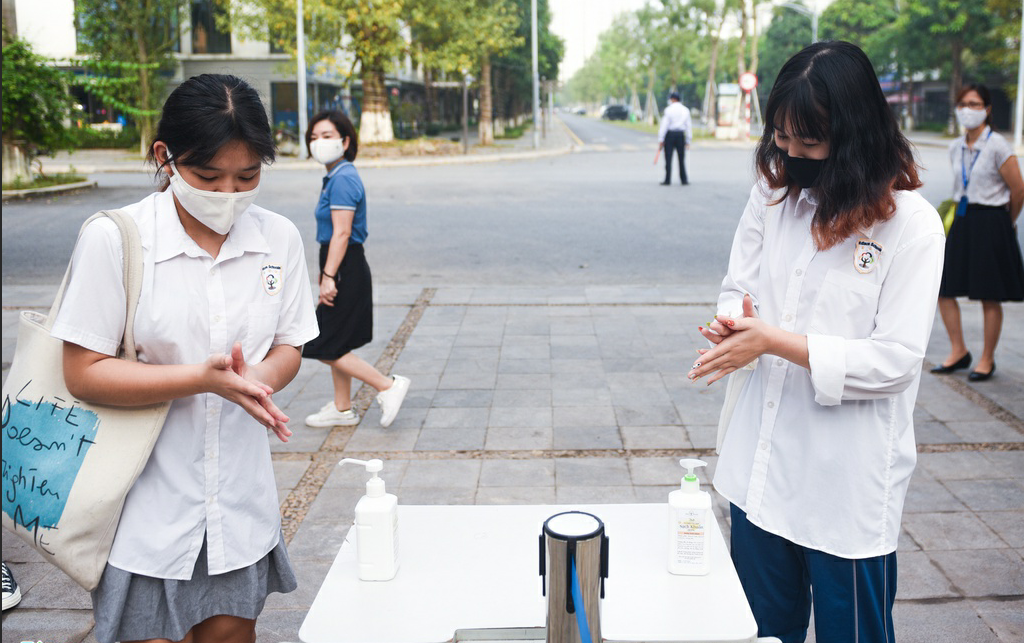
column 207, row 37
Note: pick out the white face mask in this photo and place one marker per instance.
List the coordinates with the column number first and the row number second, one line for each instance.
column 327, row 150
column 215, row 210
column 970, row 118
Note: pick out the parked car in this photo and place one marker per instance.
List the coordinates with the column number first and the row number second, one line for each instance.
column 582, row 111
column 616, row 113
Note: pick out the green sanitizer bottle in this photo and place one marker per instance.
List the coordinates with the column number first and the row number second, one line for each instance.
column 689, row 511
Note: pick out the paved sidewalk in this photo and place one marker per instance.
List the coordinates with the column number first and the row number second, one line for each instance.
column 578, row 395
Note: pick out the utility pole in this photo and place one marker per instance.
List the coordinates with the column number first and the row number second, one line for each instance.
column 536, row 74
column 465, row 111
column 300, row 55
column 1019, row 107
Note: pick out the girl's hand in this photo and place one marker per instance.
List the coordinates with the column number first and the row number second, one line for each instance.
column 718, row 329
column 328, row 291
column 230, row 377
column 744, row 340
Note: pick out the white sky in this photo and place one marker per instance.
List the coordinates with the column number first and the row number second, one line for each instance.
column 579, row 22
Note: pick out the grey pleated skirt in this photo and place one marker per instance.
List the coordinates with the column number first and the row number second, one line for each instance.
column 131, row 607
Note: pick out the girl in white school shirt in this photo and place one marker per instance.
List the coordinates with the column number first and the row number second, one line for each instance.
column 225, row 307
column 830, row 293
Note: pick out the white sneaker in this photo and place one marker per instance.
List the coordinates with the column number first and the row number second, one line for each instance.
column 329, row 416
column 391, row 400
column 11, row 593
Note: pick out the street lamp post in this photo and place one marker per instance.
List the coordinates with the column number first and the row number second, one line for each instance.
column 812, row 13
column 1019, row 107
column 465, row 111
column 536, row 74
column 300, row 55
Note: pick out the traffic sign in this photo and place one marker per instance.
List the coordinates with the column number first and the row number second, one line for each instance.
column 748, row 81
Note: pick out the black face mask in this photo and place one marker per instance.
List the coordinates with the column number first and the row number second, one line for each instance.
column 803, row 171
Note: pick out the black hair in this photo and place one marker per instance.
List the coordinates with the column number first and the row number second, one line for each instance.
column 829, row 92
column 983, row 92
column 207, row 111
column 344, row 127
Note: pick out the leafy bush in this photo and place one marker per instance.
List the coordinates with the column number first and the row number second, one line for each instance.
column 41, row 181
column 92, row 138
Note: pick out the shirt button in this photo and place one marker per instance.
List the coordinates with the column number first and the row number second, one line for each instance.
column 788, row 318
column 771, row 405
column 799, row 272
column 779, row 361
column 764, row 446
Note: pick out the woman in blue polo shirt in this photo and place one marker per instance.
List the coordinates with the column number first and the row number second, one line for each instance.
column 345, row 306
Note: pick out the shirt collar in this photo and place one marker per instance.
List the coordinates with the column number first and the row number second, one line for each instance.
column 171, row 240
column 337, row 168
column 980, row 143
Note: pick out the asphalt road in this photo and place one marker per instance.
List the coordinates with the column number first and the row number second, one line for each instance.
column 597, row 217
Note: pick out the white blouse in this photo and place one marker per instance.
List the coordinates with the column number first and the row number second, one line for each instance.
column 985, row 185
column 823, row 457
column 210, row 472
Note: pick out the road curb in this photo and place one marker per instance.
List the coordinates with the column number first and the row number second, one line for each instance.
column 52, row 190
column 407, row 161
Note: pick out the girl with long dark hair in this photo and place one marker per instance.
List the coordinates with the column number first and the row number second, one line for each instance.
column 829, row 297
column 224, row 309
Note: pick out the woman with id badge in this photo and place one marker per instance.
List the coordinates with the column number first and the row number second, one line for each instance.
column 983, row 258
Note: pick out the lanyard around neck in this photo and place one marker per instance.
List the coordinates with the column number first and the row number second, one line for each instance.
column 966, row 173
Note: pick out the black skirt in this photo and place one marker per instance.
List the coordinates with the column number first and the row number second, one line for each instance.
column 983, row 259
column 348, row 324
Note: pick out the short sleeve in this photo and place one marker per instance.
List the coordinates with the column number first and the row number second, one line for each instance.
column 92, row 314
column 1000, row 151
column 345, row 191
column 297, row 323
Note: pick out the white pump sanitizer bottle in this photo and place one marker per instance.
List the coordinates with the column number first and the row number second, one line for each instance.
column 689, row 511
column 376, row 526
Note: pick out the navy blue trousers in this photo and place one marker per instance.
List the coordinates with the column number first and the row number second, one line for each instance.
column 852, row 598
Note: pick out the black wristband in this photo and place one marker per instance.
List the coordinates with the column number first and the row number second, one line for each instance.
column 331, row 277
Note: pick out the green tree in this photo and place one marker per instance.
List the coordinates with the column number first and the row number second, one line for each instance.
column 130, row 43
column 954, row 28
column 36, row 107
column 787, row 33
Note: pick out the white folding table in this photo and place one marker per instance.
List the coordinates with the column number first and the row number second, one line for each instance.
column 471, row 572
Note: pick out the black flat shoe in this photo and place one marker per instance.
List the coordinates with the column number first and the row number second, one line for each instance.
column 961, row 363
column 975, row 376
column 664, row 183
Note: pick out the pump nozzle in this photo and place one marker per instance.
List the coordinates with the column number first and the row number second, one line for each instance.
column 690, row 482
column 375, row 485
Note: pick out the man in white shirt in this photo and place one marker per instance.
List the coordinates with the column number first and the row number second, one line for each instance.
column 675, row 134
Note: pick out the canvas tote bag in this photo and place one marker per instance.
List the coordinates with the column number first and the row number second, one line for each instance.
column 68, row 464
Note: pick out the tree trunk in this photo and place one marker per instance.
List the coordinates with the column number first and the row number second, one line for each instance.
column 955, row 82
column 144, row 120
column 15, row 164
column 485, row 127
column 754, row 38
column 712, row 114
column 375, row 122
column 741, row 51
column 428, row 96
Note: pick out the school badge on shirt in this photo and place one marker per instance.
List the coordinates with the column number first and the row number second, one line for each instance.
column 270, row 275
column 866, row 255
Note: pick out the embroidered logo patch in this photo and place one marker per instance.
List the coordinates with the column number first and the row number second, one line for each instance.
column 866, row 255
column 271, row 276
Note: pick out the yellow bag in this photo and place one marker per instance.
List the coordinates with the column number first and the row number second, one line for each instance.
column 947, row 210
